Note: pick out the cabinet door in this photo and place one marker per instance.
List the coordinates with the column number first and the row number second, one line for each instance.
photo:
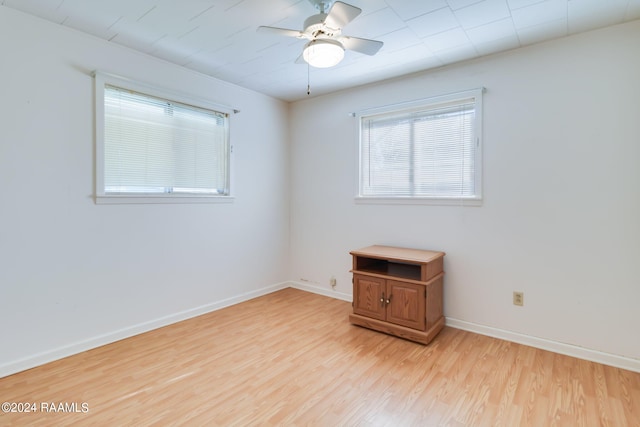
column 369, row 297
column 407, row 304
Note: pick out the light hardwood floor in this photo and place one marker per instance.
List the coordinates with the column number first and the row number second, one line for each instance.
column 291, row 358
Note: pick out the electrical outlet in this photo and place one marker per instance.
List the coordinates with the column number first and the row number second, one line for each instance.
column 333, row 282
column 518, row 298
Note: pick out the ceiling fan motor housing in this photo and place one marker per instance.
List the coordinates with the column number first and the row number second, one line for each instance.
column 315, row 26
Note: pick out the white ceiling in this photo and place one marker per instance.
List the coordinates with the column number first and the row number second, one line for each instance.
column 219, row 38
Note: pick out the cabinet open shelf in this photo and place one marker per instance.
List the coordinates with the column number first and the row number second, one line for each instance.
column 389, row 268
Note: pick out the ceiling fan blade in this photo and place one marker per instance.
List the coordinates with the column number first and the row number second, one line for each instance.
column 366, row 46
column 340, row 15
column 300, row 60
column 281, row 31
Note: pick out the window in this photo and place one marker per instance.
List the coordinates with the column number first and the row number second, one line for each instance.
column 423, row 151
column 152, row 148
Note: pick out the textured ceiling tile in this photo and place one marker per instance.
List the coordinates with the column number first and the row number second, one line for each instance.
column 447, row 40
column 457, row 53
column 375, row 24
column 459, row 4
column 433, row 22
column 131, row 35
column 497, row 45
column 494, row 31
column 482, row 13
column 128, row 9
column 407, row 9
column 539, row 13
column 172, row 49
column 399, row 40
column 517, row 4
column 400, row 58
column 45, row 9
column 539, row 33
column 171, row 18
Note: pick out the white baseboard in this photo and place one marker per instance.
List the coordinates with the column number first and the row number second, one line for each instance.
column 88, row 344
column 545, row 344
column 321, row 291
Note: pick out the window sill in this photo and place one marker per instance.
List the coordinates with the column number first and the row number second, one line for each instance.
column 434, row 201
column 159, row 199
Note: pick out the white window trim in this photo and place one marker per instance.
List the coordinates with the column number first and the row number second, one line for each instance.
column 444, row 201
column 436, row 201
column 100, row 80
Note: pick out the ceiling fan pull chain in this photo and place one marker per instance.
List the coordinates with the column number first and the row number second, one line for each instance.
column 308, row 80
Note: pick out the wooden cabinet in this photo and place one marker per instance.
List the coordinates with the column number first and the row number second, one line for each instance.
column 398, row 291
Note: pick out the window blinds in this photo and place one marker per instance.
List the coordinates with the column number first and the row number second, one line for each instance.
column 153, row 145
column 422, row 152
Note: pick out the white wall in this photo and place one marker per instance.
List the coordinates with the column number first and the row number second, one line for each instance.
column 561, row 213
column 74, row 274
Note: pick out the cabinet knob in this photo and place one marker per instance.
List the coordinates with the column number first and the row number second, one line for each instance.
column 389, row 299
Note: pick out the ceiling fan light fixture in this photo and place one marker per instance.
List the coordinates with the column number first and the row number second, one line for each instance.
column 323, row 53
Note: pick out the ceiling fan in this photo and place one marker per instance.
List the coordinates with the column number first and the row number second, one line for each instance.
column 327, row 44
